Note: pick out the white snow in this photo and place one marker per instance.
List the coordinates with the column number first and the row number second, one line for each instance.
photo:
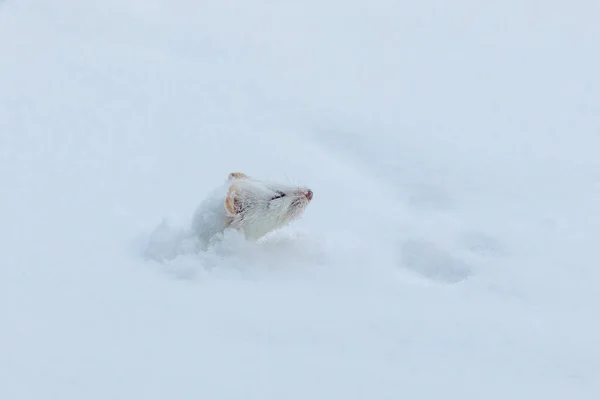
column 450, row 250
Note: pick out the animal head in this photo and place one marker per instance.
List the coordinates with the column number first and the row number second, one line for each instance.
column 263, row 203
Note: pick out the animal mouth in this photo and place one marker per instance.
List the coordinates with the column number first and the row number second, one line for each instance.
column 302, row 200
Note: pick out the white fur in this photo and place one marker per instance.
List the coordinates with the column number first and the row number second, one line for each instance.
column 258, row 215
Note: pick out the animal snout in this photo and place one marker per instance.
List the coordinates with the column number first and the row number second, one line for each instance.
column 309, row 194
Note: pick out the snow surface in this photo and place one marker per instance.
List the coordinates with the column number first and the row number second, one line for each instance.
column 451, row 248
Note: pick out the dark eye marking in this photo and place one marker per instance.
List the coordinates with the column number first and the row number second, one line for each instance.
column 279, row 195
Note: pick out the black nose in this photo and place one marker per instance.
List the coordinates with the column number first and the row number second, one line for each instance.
column 309, row 194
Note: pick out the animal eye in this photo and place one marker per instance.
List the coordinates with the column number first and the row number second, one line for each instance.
column 279, row 195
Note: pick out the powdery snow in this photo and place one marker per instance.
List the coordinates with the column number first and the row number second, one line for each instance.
column 450, row 250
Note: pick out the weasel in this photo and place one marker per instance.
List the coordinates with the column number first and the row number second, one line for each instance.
column 250, row 206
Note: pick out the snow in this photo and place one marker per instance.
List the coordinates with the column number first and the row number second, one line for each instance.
column 450, row 249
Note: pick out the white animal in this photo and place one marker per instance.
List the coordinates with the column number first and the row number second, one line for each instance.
column 250, row 206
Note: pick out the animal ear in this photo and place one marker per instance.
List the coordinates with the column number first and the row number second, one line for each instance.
column 237, row 175
column 233, row 203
